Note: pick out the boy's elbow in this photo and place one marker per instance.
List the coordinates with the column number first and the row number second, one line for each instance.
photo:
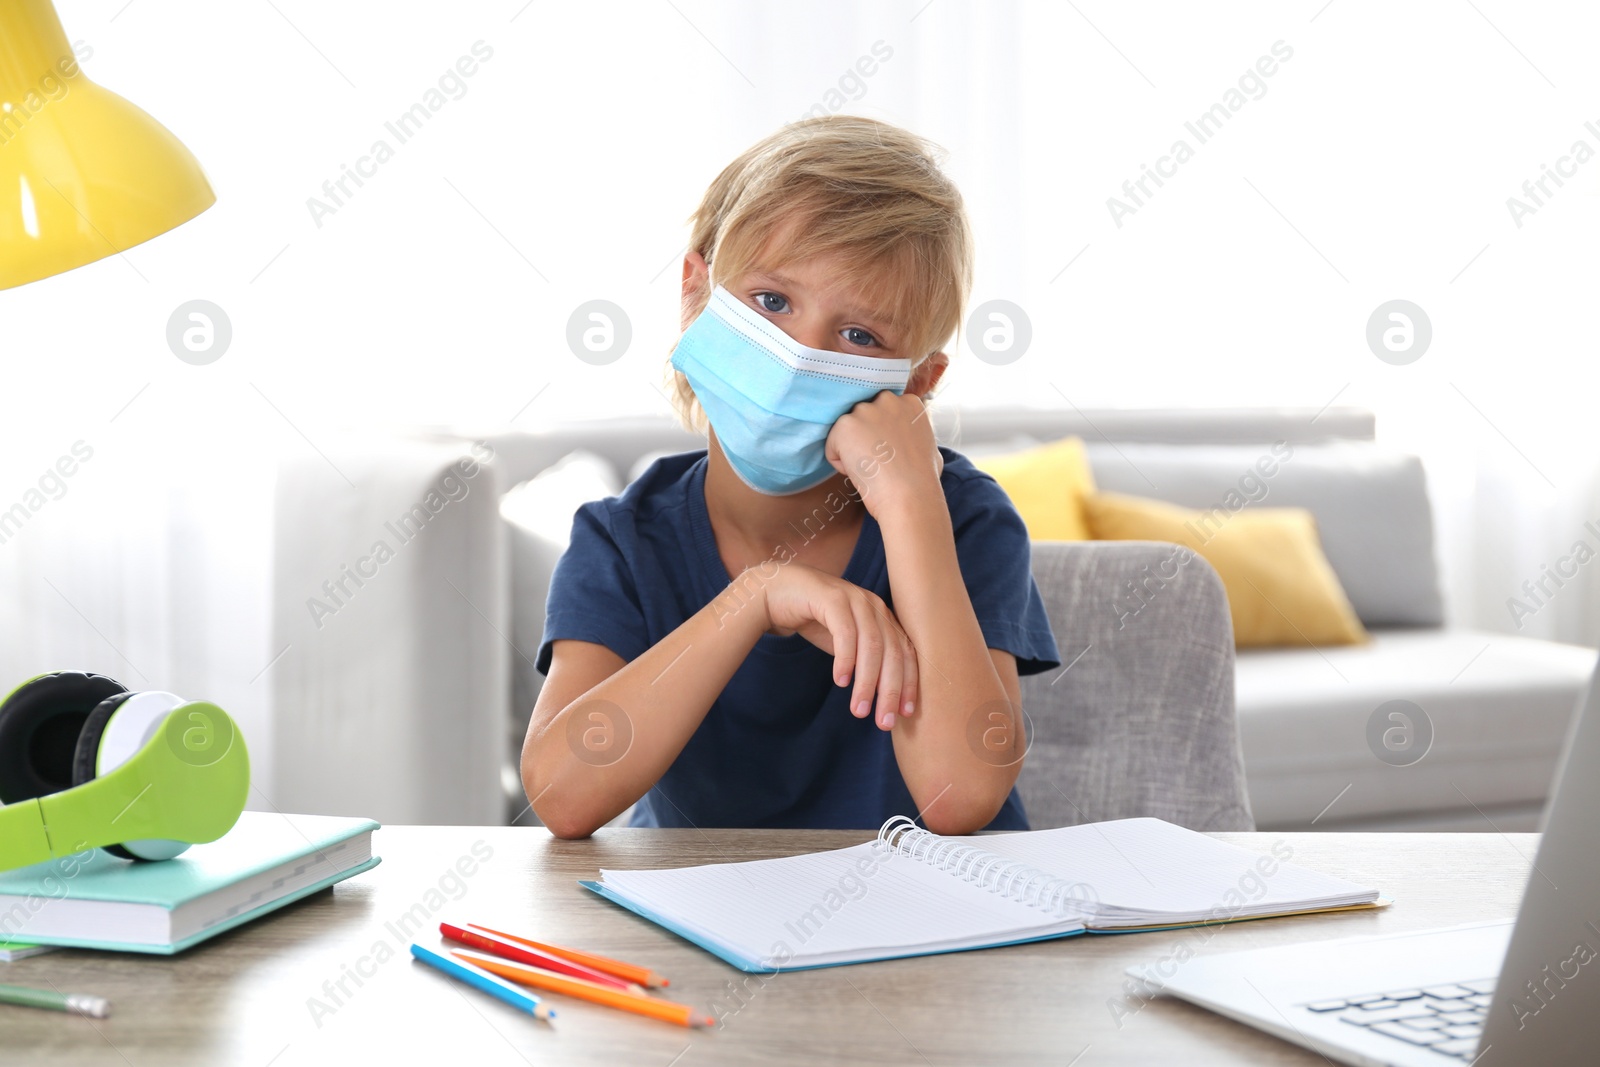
column 955, row 814
column 567, row 825
column 568, row 829
column 548, row 808
column 954, row 824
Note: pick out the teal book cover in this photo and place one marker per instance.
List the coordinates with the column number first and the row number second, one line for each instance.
column 266, row 861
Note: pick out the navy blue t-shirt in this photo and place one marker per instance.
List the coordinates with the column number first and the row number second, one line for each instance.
column 779, row 746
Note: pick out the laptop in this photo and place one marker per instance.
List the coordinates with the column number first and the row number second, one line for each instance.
column 1502, row 993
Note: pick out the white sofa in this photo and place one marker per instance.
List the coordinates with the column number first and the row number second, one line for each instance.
column 425, row 670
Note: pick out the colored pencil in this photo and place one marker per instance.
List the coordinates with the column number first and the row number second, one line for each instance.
column 487, row 982
column 76, row 1003
column 507, row 949
column 666, row 1010
column 627, row 971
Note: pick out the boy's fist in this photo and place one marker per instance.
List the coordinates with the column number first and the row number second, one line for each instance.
column 886, row 447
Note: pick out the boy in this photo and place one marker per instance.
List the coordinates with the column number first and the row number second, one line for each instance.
column 820, row 619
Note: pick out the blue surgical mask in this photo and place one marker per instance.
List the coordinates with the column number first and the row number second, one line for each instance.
column 770, row 399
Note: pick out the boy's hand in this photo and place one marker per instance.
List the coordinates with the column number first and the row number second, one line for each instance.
column 886, row 447
column 856, row 628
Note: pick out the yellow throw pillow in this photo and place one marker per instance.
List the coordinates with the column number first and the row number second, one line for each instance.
column 1281, row 589
column 1047, row 485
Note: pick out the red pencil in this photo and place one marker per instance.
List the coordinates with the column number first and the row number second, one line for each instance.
column 502, row 947
column 630, row 972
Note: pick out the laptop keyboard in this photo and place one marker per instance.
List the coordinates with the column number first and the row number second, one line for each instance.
column 1445, row 1018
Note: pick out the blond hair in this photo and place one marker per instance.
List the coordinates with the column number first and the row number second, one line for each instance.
column 863, row 190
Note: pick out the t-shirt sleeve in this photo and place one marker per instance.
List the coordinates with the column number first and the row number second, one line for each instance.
column 593, row 596
column 994, row 552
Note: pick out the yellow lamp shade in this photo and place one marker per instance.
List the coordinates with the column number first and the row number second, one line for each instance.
column 84, row 174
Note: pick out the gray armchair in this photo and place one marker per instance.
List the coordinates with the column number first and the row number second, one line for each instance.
column 1140, row 718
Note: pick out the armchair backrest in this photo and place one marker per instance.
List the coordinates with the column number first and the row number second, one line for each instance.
column 1140, row 719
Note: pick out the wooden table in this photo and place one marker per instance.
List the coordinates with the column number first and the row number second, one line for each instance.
column 268, row 992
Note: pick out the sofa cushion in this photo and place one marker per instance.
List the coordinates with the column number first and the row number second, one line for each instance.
column 1313, row 723
column 1281, row 590
column 1046, row 484
column 1370, row 503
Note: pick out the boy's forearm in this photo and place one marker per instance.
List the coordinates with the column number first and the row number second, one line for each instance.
column 657, row 701
column 961, row 785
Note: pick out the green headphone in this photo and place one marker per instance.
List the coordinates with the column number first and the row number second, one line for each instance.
column 84, row 763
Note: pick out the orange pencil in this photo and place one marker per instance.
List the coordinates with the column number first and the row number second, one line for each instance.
column 666, row 1010
column 628, row 971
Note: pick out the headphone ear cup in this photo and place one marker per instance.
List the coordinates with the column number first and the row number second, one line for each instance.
column 87, row 751
column 118, row 727
column 39, row 727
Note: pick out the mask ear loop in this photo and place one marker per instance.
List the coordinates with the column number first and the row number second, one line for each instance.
column 711, row 282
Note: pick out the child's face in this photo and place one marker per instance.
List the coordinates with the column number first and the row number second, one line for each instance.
column 805, row 301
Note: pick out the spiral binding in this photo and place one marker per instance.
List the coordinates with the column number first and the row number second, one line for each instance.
column 1012, row 878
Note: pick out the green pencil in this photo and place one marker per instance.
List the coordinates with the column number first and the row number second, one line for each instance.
column 76, row 1003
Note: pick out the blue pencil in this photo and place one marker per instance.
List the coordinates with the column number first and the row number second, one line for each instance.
column 485, row 981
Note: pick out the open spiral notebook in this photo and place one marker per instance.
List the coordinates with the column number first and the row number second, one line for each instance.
column 911, row 892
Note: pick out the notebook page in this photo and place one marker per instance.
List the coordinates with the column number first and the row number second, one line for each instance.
column 1148, row 869
column 824, row 907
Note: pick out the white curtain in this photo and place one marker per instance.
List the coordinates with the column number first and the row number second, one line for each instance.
column 150, row 563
